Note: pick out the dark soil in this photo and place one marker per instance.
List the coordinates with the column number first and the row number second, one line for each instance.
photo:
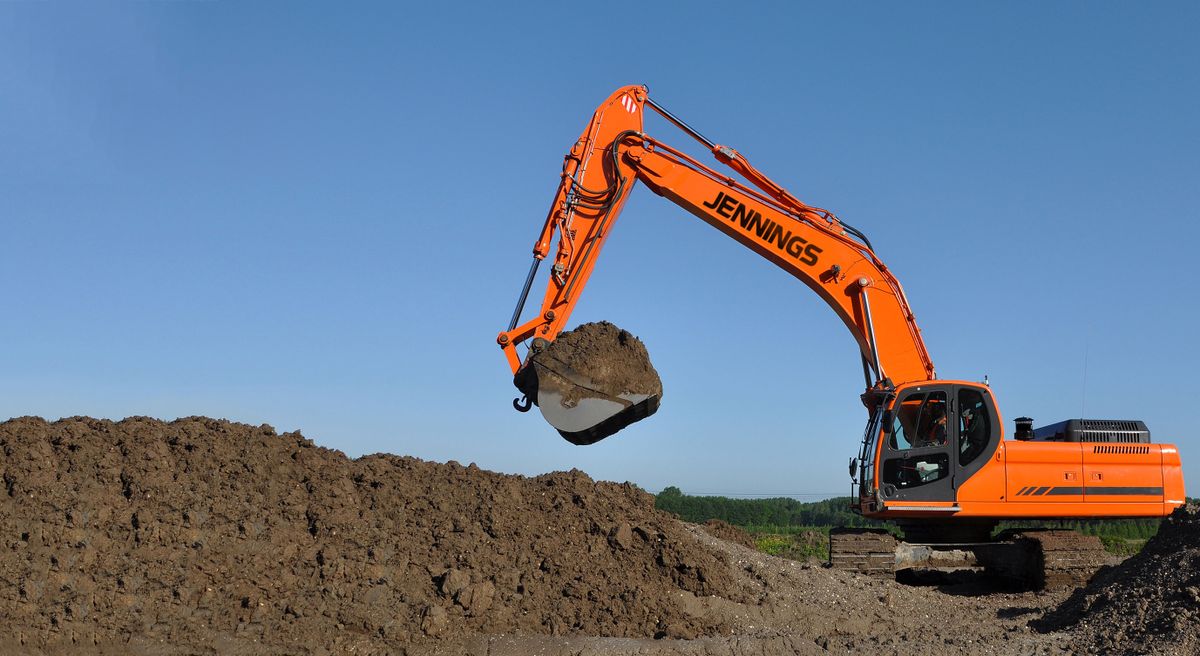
column 613, row 359
column 141, row 533
column 1150, row 603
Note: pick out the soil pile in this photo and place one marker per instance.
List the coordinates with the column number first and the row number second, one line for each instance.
column 204, row 536
column 142, row 533
column 1148, row 604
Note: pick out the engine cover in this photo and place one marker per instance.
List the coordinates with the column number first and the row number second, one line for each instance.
column 1121, row 431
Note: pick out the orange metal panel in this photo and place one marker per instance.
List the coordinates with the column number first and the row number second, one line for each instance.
column 990, row 482
column 1173, row 488
column 1123, row 472
column 1044, row 472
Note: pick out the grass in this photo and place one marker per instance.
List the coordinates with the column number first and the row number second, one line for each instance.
column 805, row 542
column 794, row 542
column 1122, row 546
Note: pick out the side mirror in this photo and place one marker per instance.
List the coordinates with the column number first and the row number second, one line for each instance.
column 887, row 422
column 853, row 467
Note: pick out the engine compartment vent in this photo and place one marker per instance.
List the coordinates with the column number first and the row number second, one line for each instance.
column 1121, row 431
column 1121, row 449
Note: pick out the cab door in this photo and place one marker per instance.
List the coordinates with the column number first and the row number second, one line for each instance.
column 978, row 438
column 918, row 448
column 937, row 437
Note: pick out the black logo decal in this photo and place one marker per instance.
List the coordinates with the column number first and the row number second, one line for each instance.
column 765, row 229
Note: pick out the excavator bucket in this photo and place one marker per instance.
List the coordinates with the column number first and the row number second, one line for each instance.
column 578, row 407
column 591, row 382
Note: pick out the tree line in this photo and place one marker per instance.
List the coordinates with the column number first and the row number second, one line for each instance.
column 783, row 514
column 779, row 511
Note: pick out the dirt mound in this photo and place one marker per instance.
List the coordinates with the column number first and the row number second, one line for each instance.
column 142, row 533
column 202, row 536
column 1148, row 604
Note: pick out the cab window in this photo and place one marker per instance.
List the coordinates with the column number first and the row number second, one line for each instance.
column 919, row 421
column 916, row 470
column 974, row 425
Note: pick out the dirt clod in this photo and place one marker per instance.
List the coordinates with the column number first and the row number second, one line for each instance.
column 622, row 536
column 434, row 621
column 453, row 582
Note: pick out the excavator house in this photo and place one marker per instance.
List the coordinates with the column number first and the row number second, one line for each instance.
column 934, row 457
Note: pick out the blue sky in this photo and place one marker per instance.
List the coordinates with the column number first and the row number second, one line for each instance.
column 318, row 216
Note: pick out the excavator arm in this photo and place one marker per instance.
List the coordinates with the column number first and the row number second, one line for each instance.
column 830, row 257
column 594, row 185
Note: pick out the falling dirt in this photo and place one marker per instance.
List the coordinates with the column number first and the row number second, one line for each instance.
column 204, row 536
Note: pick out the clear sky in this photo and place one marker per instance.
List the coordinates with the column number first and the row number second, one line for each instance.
column 318, row 216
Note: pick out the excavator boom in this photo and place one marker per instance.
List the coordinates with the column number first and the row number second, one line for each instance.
column 808, row 243
column 612, row 154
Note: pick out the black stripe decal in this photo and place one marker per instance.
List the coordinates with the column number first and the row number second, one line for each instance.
column 1054, row 491
column 1124, row 491
column 1034, row 491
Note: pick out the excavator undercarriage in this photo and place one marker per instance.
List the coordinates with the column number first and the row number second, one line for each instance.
column 1025, row 559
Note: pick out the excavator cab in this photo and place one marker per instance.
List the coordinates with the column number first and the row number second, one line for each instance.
column 924, row 441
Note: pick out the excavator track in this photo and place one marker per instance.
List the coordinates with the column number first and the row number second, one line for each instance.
column 1030, row 559
column 1045, row 559
column 865, row 550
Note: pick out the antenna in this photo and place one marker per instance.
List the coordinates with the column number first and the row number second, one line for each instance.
column 1083, row 394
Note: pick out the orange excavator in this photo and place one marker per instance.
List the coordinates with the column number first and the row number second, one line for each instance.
column 933, row 457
